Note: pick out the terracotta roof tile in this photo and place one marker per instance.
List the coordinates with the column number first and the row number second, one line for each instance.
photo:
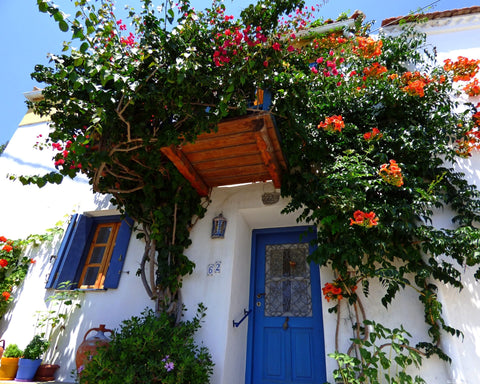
column 433, row 15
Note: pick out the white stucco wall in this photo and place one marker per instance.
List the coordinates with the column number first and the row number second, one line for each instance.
column 454, row 37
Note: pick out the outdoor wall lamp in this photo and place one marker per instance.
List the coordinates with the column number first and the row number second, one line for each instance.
column 219, row 224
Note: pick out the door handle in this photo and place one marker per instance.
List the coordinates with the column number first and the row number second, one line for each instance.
column 285, row 324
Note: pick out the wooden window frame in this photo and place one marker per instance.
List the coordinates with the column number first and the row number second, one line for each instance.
column 107, row 255
column 72, row 254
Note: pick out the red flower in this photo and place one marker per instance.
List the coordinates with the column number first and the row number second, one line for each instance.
column 32, row 261
column 7, row 248
column 364, row 219
column 375, row 134
column 6, row 295
column 276, row 46
column 332, row 123
column 3, row 263
column 3, row 239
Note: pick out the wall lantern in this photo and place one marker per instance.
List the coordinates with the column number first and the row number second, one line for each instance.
column 219, row 224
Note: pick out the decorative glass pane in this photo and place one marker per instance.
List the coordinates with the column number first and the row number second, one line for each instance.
column 103, row 235
column 287, row 281
column 90, row 276
column 97, row 255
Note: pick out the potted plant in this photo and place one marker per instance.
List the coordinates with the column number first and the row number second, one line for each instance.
column 31, row 360
column 9, row 362
column 51, row 323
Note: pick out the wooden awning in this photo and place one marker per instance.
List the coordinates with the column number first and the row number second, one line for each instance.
column 244, row 149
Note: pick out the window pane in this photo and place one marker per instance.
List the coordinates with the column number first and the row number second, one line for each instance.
column 97, row 255
column 90, row 276
column 103, row 235
column 287, row 280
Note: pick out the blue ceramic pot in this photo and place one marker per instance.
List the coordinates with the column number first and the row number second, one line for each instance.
column 27, row 369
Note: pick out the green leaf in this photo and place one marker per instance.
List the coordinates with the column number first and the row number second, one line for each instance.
column 84, row 47
column 63, row 25
column 42, row 6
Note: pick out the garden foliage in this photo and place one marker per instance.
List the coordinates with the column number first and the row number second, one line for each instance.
column 371, row 129
column 151, row 349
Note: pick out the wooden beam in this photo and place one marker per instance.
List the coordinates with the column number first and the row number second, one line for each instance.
column 186, row 169
column 267, row 152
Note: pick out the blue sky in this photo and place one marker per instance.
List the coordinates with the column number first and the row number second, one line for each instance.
column 29, row 35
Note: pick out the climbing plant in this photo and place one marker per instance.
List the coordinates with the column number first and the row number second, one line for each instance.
column 371, row 129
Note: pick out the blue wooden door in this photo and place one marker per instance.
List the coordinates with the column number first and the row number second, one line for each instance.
column 285, row 332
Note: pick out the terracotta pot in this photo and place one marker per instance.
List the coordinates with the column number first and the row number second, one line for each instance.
column 8, row 368
column 46, row 372
column 2, row 347
column 88, row 347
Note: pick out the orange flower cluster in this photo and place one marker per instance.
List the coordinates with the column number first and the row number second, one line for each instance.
column 463, row 69
column 375, row 134
column 6, row 295
column 331, row 41
column 391, row 173
column 334, row 291
column 364, row 219
column 473, row 88
column 332, row 123
column 375, row 70
column 415, row 83
column 471, row 140
column 367, row 47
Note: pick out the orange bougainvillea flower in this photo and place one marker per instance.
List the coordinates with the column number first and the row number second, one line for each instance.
column 6, row 295
column 7, row 248
column 375, row 70
column 463, row 69
column 3, row 263
column 3, row 239
column 391, row 173
column 472, row 89
column 414, row 83
column 415, row 88
column 367, row 47
column 375, row 134
column 364, row 219
column 332, row 124
column 339, row 289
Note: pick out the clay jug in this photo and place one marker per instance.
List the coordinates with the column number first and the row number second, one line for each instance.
column 88, row 347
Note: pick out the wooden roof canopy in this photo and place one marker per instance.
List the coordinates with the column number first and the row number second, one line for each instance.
column 244, row 149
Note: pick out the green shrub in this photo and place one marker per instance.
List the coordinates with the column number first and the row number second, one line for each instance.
column 12, row 350
column 151, row 349
column 36, row 348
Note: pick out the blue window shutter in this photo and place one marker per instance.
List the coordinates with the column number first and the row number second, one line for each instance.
column 61, row 252
column 73, row 250
column 118, row 255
